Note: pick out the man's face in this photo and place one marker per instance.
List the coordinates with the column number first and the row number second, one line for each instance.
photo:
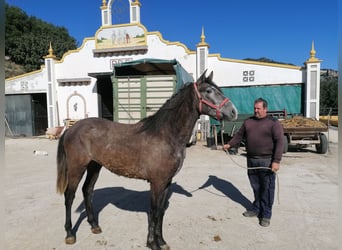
column 259, row 110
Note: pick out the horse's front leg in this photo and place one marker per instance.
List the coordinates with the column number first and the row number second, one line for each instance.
column 155, row 239
column 160, row 217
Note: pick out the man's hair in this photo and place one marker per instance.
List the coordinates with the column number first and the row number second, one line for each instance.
column 264, row 102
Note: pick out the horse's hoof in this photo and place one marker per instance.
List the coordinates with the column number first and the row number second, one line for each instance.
column 154, row 246
column 165, row 247
column 96, row 230
column 70, row 240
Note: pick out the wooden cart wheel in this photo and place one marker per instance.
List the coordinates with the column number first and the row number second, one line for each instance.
column 322, row 147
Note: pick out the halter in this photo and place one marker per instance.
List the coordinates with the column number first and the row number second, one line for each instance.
column 216, row 107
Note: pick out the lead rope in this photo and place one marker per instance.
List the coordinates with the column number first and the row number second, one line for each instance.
column 236, row 163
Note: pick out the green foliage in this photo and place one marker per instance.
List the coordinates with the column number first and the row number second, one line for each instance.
column 328, row 93
column 28, row 39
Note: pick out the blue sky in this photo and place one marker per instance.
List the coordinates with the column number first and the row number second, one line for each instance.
column 279, row 30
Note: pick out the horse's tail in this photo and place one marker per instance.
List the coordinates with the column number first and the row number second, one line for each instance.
column 62, row 177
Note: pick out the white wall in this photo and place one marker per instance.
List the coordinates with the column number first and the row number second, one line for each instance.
column 79, row 63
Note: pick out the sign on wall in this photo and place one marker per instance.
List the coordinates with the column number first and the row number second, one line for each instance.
column 120, row 37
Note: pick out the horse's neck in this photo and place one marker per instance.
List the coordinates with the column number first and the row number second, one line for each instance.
column 175, row 120
column 189, row 128
column 184, row 120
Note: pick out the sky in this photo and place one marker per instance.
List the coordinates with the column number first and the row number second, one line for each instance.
column 237, row 29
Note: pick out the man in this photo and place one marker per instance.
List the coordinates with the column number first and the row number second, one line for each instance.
column 264, row 145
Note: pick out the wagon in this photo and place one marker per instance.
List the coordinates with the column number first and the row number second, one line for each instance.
column 302, row 132
column 299, row 131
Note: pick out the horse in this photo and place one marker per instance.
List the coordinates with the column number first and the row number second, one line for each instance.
column 153, row 149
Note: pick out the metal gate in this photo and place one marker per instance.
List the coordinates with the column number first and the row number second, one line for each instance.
column 138, row 97
column 26, row 114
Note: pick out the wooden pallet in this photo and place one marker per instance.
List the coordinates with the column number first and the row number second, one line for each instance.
column 70, row 123
column 54, row 133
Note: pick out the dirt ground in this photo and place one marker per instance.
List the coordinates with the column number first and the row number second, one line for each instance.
column 204, row 218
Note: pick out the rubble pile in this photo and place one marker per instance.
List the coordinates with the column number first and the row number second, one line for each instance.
column 302, row 122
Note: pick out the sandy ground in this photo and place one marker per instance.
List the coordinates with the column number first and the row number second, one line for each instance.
column 196, row 219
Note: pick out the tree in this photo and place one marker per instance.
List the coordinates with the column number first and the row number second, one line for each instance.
column 328, row 93
column 27, row 39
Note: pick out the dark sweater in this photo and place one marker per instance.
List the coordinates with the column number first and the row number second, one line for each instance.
column 264, row 138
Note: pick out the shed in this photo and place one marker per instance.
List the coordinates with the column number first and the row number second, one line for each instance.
column 141, row 87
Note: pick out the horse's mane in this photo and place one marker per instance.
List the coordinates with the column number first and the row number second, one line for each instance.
column 178, row 102
column 167, row 114
column 214, row 85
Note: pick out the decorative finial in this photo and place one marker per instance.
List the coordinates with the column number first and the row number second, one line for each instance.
column 50, row 55
column 312, row 51
column 202, row 36
column 202, row 43
column 104, row 5
column 313, row 54
column 136, row 2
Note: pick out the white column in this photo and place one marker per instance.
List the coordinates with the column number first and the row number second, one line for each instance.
column 312, row 85
column 106, row 13
column 134, row 11
column 51, row 89
column 202, row 56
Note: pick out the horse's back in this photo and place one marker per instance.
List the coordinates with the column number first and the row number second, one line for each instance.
column 111, row 144
column 95, row 128
column 122, row 148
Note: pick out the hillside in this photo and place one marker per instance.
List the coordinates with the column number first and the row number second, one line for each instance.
column 12, row 69
column 28, row 39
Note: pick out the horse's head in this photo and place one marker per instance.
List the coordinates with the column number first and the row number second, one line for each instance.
column 211, row 100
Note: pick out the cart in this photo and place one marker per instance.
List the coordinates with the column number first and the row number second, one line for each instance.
column 303, row 132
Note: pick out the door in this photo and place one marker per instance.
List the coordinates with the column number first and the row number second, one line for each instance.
column 39, row 113
column 138, row 97
column 26, row 114
column 19, row 114
column 105, row 97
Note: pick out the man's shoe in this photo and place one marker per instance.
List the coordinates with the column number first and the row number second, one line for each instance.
column 264, row 222
column 250, row 214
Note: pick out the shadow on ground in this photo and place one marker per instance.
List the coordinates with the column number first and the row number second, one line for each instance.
column 129, row 200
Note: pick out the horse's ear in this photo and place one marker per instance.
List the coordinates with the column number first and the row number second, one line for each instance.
column 210, row 77
column 202, row 77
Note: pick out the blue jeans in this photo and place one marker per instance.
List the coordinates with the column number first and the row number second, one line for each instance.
column 263, row 185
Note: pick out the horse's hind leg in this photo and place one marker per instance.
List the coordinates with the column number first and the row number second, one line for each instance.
column 69, row 196
column 93, row 171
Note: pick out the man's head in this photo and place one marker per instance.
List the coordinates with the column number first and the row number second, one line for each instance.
column 260, row 108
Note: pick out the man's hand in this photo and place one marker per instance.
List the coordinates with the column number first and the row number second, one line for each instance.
column 226, row 147
column 275, row 166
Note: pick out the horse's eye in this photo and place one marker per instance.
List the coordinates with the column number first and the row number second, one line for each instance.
column 209, row 91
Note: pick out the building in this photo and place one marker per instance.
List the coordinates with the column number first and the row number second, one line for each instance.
column 81, row 84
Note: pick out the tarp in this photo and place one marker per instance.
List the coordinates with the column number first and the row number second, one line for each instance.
column 152, row 66
column 279, row 97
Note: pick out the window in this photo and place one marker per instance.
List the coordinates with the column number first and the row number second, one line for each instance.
column 248, row 75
